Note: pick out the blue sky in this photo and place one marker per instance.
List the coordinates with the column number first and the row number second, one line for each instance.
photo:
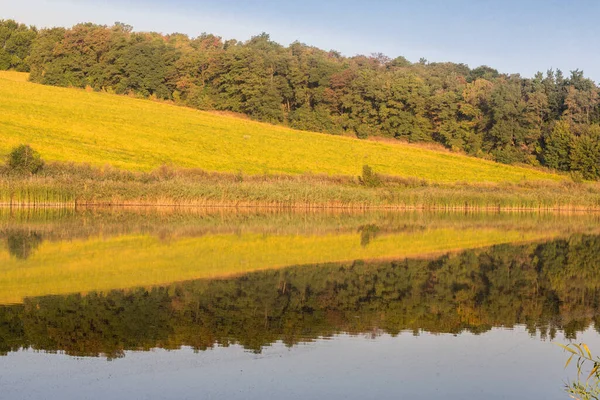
column 512, row 36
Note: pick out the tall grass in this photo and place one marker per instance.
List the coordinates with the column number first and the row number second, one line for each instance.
column 82, row 185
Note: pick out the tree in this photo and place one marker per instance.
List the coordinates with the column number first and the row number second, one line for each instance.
column 42, row 59
column 585, row 154
column 15, row 45
column 483, row 72
column 143, row 67
column 508, row 132
column 558, row 146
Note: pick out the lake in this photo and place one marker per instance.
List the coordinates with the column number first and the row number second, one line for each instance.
column 246, row 304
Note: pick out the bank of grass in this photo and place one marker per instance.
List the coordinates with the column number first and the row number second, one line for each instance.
column 62, row 184
column 72, row 125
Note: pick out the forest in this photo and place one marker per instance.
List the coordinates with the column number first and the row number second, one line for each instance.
column 547, row 287
column 550, row 120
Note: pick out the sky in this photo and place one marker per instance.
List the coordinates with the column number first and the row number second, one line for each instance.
column 523, row 36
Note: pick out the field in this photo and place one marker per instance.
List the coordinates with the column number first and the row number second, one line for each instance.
column 140, row 135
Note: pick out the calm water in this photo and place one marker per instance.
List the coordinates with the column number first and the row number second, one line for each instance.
column 166, row 304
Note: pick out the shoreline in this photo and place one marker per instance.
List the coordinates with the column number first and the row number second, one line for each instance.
column 302, row 207
column 79, row 185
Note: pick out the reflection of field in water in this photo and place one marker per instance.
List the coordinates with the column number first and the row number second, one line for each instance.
column 58, row 251
column 547, row 287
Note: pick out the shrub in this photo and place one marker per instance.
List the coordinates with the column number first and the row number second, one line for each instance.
column 25, row 160
column 577, row 177
column 369, row 178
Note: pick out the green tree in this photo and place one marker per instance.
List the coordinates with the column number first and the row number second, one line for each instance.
column 15, row 45
column 558, row 146
column 143, row 66
column 42, row 60
column 585, row 154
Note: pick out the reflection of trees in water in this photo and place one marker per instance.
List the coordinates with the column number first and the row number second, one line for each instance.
column 546, row 287
column 21, row 244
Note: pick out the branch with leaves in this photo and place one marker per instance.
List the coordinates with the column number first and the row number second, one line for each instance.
column 588, row 389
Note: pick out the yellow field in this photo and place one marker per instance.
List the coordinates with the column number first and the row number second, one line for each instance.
column 99, row 128
column 101, row 264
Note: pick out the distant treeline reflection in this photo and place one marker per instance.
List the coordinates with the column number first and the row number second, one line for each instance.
column 547, row 287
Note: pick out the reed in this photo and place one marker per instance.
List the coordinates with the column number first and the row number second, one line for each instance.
column 71, row 185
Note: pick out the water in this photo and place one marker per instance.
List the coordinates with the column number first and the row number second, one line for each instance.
column 167, row 304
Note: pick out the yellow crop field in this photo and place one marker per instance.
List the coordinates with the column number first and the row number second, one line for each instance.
column 102, row 264
column 99, row 128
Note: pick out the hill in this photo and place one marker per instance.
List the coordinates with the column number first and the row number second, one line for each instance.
column 140, row 135
column 551, row 119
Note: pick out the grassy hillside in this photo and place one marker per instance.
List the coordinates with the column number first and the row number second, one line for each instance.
column 140, row 135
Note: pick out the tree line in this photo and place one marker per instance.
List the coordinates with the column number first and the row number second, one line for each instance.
column 551, row 119
column 546, row 286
